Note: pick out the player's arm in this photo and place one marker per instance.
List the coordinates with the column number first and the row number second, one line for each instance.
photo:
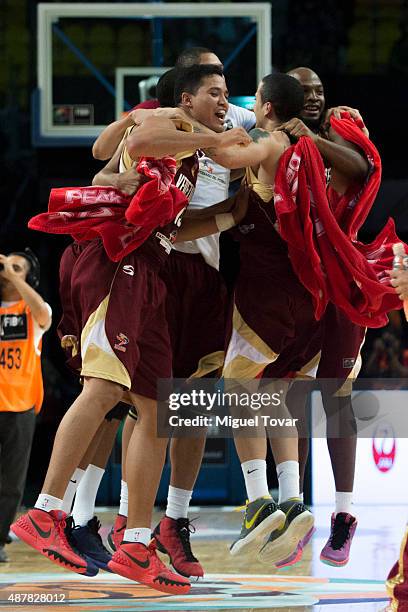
column 262, row 145
column 158, row 137
column 347, row 161
column 109, row 139
column 215, row 219
column 127, row 181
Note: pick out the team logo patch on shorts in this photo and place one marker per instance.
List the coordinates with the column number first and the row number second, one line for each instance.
column 349, row 362
column 122, row 342
column 129, row 270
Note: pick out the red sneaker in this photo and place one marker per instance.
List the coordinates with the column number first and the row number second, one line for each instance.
column 141, row 563
column 115, row 536
column 173, row 538
column 48, row 532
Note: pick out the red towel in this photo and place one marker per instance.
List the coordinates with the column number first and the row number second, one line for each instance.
column 324, row 258
column 351, row 209
column 122, row 222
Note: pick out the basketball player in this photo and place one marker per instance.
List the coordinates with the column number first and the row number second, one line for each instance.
column 270, row 304
column 132, row 353
column 196, row 314
column 335, row 358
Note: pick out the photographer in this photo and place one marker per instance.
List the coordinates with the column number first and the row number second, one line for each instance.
column 24, row 317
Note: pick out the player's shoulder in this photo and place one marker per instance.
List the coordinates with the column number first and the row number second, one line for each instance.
column 259, row 134
column 240, row 117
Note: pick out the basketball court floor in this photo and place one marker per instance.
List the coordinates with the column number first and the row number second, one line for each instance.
column 230, row 583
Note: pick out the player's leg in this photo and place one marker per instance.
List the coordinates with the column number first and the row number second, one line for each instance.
column 115, row 535
column 339, row 366
column 285, row 541
column 172, row 534
column 342, row 445
column 85, row 534
column 136, row 558
column 262, row 514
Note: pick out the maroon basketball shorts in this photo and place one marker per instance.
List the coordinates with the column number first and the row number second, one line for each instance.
column 330, row 354
column 120, row 310
column 339, row 362
column 269, row 313
column 68, row 322
column 196, row 306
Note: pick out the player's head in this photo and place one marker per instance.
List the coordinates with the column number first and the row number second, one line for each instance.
column 197, row 55
column 313, row 91
column 165, row 88
column 279, row 97
column 202, row 92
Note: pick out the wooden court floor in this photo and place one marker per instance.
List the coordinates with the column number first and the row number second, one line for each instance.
column 230, row 583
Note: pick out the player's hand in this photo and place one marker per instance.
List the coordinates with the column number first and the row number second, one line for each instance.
column 336, row 111
column 128, row 181
column 296, row 128
column 11, row 271
column 241, row 202
column 399, row 280
column 236, row 136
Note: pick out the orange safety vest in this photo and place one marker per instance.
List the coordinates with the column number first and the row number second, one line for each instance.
column 21, row 384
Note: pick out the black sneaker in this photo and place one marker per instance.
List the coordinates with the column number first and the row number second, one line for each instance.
column 89, row 543
column 261, row 516
column 284, row 541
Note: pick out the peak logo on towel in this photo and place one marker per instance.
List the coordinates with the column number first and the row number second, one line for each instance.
column 94, row 196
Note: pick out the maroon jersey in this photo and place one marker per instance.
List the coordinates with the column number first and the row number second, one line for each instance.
column 159, row 245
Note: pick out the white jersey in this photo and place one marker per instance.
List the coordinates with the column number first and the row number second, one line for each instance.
column 212, row 187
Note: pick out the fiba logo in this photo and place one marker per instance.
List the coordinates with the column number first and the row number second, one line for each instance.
column 384, row 447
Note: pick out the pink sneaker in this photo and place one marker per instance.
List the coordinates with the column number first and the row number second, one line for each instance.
column 337, row 548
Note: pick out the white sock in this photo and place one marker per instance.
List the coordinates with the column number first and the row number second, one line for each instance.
column 140, row 534
column 123, row 507
column 71, row 490
column 84, row 505
column 48, row 502
column 343, row 502
column 288, row 477
column 255, row 479
column 178, row 501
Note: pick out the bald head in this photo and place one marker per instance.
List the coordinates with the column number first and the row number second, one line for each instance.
column 303, row 74
column 314, row 101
